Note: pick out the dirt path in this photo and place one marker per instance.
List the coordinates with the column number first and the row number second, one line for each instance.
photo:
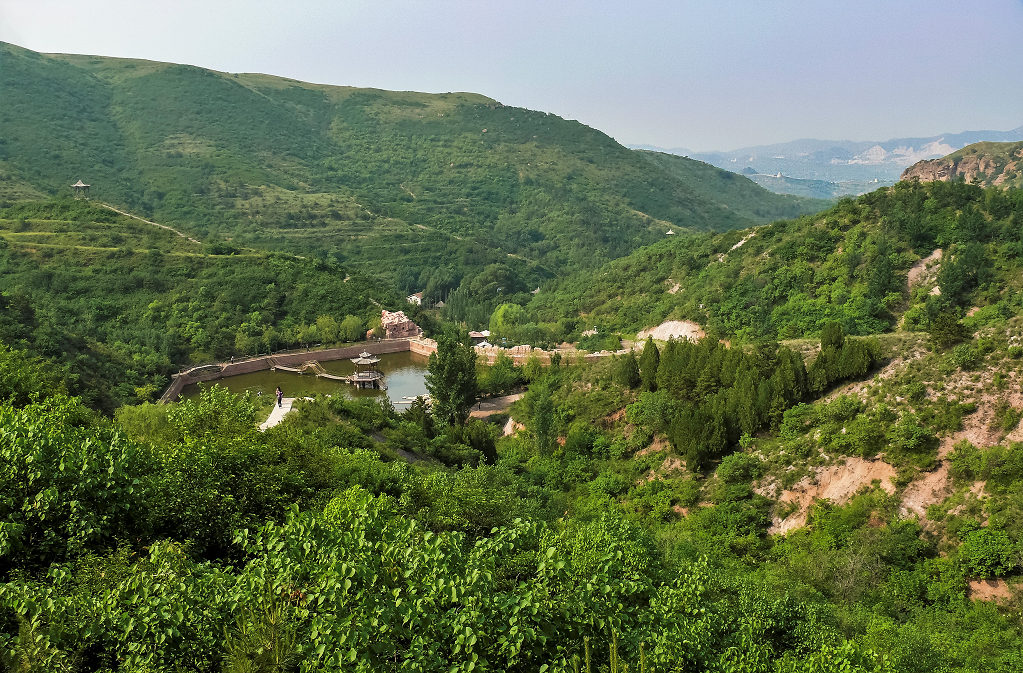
column 495, row 405
column 155, row 224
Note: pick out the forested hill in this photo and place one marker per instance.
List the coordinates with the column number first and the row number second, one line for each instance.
column 364, row 175
column 118, row 304
column 902, row 253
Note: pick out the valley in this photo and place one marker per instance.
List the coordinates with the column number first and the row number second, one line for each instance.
column 660, row 418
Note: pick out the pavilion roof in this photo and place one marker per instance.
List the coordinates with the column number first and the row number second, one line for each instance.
column 79, row 184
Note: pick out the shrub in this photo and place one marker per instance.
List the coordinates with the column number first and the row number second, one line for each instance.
column 740, row 468
column 966, row 356
column 986, row 552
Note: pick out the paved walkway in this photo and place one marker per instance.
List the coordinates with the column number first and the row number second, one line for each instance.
column 279, row 412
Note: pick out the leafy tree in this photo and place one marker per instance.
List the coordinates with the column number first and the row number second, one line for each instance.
column 352, row 329
column 327, row 329
column 451, row 378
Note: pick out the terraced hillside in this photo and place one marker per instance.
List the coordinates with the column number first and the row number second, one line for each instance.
column 356, row 174
column 121, row 302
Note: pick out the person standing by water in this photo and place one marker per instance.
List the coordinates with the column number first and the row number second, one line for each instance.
column 280, row 396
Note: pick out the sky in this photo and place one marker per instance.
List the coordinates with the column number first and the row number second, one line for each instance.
column 710, row 75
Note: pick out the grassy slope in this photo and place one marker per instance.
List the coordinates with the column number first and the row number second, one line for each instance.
column 742, row 195
column 203, row 149
column 849, row 263
column 123, row 302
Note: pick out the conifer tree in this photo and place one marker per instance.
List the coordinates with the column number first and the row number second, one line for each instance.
column 627, row 370
column 648, row 362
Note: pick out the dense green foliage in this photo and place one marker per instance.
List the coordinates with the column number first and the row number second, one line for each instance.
column 121, row 303
column 180, row 538
column 788, row 279
column 431, row 190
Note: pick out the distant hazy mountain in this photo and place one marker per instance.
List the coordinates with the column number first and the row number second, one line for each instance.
column 858, row 164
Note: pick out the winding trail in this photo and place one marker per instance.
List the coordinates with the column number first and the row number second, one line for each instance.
column 155, row 224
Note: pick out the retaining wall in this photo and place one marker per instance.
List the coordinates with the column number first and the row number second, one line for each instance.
column 420, row 346
column 222, row 370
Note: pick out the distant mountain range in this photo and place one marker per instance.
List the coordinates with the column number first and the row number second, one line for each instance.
column 852, row 166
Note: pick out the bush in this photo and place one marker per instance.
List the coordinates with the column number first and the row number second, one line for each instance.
column 740, row 468
column 986, row 552
column 966, row 356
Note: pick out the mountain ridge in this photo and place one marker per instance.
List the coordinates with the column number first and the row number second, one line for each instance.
column 343, row 171
column 840, row 161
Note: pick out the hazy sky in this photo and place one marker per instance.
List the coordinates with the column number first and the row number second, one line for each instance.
column 715, row 74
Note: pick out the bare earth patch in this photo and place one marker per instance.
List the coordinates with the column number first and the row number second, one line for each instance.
column 673, row 329
column 930, row 490
column 837, row 483
column 996, row 590
column 924, row 271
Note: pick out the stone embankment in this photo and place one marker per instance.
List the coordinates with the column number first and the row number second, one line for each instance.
column 214, row 372
column 420, row 346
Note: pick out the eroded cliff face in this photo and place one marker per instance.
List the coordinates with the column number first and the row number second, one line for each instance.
column 1002, row 166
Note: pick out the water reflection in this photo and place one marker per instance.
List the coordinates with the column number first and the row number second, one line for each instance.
column 404, row 374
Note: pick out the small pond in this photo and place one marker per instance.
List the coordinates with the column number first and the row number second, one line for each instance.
column 404, row 375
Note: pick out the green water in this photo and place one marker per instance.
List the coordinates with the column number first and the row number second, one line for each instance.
column 404, row 375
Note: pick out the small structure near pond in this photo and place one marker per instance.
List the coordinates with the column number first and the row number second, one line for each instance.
column 366, row 373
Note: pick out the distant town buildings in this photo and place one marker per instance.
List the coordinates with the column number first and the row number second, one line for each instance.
column 416, row 298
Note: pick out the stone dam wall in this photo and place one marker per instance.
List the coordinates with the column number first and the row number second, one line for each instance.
column 420, row 346
column 203, row 373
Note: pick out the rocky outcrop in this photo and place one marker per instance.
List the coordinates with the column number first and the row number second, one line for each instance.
column 398, row 326
column 985, row 164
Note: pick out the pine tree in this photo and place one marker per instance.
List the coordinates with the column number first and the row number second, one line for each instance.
column 648, row 362
column 627, row 371
column 543, row 419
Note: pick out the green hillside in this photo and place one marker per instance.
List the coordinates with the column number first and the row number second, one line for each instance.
column 739, row 193
column 787, row 279
column 356, row 175
column 121, row 304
